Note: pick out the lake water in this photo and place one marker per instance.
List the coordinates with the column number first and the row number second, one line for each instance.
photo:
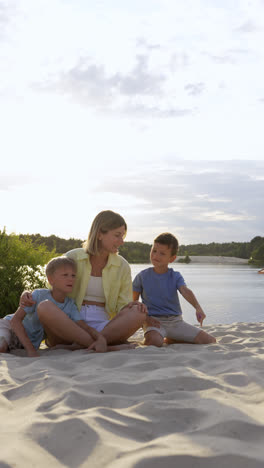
column 227, row 293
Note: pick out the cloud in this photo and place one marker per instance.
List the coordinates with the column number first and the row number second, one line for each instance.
column 137, row 93
column 138, row 110
column 223, row 59
column 142, row 42
column 9, row 182
column 5, row 8
column 201, row 200
column 140, row 81
column 178, row 61
column 224, row 216
column 8, row 9
column 247, row 27
column 195, row 89
column 90, row 81
column 230, row 56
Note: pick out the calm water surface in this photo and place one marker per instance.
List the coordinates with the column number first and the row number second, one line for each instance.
column 227, row 293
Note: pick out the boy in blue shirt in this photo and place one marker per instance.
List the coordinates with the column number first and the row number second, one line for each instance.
column 53, row 316
column 158, row 287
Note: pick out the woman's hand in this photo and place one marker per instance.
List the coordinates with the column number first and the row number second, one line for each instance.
column 99, row 345
column 26, row 299
column 142, row 307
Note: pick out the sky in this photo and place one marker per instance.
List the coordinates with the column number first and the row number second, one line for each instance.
column 151, row 108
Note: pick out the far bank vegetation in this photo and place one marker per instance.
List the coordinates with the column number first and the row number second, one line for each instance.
column 138, row 252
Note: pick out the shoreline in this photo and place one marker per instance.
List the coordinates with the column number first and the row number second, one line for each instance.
column 214, row 260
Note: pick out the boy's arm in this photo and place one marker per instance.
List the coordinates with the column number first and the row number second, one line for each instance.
column 136, row 295
column 18, row 328
column 99, row 343
column 190, row 297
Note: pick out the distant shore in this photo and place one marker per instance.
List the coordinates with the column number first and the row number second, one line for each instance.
column 214, row 259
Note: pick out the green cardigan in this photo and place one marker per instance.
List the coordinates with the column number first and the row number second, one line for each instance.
column 117, row 282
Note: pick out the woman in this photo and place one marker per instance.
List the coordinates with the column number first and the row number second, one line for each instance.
column 103, row 285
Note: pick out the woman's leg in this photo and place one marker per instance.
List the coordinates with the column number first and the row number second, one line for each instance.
column 59, row 328
column 124, row 325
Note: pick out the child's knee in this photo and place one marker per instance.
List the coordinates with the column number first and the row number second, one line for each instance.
column 153, row 339
column 43, row 307
column 136, row 312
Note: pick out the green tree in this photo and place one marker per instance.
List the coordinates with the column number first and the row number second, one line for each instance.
column 186, row 259
column 258, row 256
column 21, row 267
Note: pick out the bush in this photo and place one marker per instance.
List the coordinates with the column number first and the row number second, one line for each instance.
column 21, row 267
column 258, row 256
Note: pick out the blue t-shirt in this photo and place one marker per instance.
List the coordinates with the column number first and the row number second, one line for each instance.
column 159, row 292
column 31, row 322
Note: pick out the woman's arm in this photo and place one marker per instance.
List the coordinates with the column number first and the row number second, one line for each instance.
column 18, row 328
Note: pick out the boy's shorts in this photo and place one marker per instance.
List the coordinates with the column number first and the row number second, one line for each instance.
column 174, row 327
column 7, row 333
column 94, row 316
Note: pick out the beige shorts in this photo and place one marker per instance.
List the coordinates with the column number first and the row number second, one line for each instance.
column 7, row 333
column 175, row 328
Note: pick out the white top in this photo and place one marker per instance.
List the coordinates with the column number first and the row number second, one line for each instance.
column 95, row 291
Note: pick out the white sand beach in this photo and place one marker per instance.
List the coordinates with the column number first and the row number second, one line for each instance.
column 181, row 405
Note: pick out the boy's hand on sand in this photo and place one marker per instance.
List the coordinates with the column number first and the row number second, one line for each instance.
column 26, row 299
column 152, row 322
column 200, row 315
column 99, row 346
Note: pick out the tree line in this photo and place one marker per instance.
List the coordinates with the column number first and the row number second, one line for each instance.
column 138, row 252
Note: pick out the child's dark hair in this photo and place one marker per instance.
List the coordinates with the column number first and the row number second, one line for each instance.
column 170, row 240
column 58, row 262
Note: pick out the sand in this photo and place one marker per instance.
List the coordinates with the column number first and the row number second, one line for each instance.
column 180, row 405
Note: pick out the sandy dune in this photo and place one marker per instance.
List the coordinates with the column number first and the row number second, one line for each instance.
column 181, row 405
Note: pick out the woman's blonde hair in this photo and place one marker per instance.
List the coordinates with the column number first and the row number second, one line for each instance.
column 105, row 221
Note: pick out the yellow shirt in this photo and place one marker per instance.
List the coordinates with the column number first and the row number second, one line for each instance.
column 116, row 276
